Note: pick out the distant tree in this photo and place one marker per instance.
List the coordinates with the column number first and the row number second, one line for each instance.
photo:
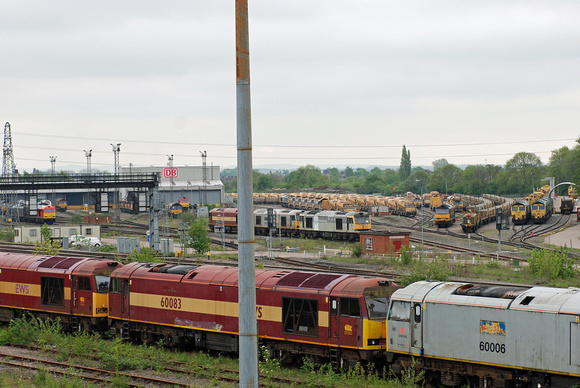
column 348, row 171
column 231, row 186
column 391, row 177
column 305, row 176
column 361, row 172
column 46, row 247
column 526, row 168
column 372, row 184
column 446, row 178
column 439, row 163
column 198, row 238
column 411, row 184
column 262, row 182
column 405, row 167
column 334, row 172
column 45, row 232
column 478, row 179
column 564, row 165
column 229, row 172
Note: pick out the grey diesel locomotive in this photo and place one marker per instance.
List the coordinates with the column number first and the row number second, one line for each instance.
column 472, row 335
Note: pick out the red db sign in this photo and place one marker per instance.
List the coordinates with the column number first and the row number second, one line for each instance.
column 171, row 172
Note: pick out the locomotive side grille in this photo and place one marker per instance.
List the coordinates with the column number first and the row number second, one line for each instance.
column 60, row 262
column 307, row 280
column 319, row 281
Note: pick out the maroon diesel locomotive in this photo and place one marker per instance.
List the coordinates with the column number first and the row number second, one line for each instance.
column 75, row 290
column 334, row 318
column 227, row 218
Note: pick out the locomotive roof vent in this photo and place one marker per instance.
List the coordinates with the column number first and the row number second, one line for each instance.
column 385, row 283
column 527, row 300
column 174, row 269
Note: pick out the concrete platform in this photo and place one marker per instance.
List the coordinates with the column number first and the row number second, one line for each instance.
column 569, row 237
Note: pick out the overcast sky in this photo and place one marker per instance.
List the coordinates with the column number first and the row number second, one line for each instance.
column 332, row 82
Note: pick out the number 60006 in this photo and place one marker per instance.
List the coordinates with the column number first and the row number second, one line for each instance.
column 493, row 347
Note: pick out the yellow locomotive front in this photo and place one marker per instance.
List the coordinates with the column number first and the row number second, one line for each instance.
column 361, row 221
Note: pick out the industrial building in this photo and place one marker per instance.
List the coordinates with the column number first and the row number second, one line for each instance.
column 200, row 184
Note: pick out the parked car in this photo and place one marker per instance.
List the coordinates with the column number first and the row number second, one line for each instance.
column 83, row 241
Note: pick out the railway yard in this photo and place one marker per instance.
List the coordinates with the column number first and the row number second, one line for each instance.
column 559, row 231
column 429, row 243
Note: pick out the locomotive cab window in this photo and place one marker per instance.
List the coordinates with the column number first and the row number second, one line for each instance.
column 258, row 220
column 300, row 316
column 102, row 283
column 377, row 306
column 84, row 283
column 400, row 311
column 52, row 291
column 115, row 286
column 349, row 307
column 417, row 312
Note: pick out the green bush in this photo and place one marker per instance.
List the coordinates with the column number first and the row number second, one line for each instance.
column 406, row 255
column 30, row 330
column 357, row 250
column 551, row 265
column 146, row 255
column 107, row 248
column 7, row 236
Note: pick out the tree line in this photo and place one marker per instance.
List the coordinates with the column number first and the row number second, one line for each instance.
column 521, row 174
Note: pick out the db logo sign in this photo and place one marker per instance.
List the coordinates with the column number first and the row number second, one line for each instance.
column 171, row 172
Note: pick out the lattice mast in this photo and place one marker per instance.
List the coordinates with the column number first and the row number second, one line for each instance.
column 8, row 165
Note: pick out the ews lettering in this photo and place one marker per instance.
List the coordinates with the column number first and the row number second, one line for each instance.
column 259, row 311
column 22, row 289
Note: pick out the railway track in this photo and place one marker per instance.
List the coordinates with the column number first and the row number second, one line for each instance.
column 178, row 374
column 462, row 250
column 28, row 248
column 70, row 370
column 519, row 242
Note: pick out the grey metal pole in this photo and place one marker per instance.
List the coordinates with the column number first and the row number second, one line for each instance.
column 422, row 222
column 248, row 325
column 422, row 218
